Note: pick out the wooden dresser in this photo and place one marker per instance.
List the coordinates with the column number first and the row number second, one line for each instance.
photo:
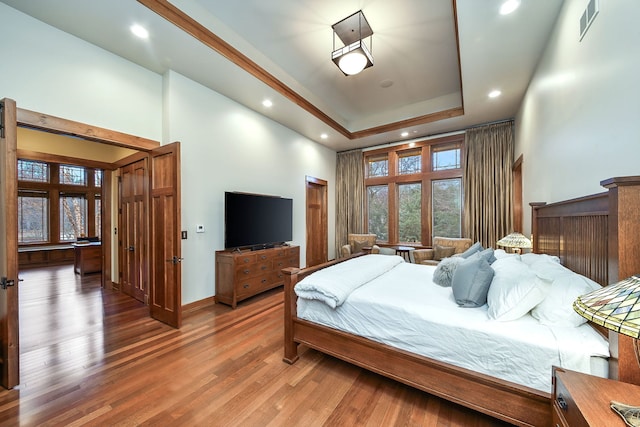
column 583, row 400
column 243, row 274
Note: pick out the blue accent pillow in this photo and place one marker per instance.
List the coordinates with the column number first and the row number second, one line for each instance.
column 471, row 281
column 476, row 247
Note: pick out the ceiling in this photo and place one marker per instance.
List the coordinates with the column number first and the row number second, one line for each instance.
column 435, row 61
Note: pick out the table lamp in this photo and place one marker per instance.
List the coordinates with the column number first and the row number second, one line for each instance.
column 516, row 241
column 617, row 308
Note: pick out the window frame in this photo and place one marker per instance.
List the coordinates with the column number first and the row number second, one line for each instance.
column 425, row 177
column 55, row 190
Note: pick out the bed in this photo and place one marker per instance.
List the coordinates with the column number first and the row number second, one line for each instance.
column 585, row 234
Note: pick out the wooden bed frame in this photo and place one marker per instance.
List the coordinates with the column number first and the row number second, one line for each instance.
column 597, row 236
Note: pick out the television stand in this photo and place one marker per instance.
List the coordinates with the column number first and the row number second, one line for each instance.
column 245, row 273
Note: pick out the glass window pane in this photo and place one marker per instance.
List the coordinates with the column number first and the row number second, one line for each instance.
column 378, row 211
column 98, row 217
column 73, row 217
column 98, row 178
column 33, row 218
column 410, row 212
column 410, row 162
column 377, row 166
column 447, row 207
column 73, row 175
column 447, row 157
column 33, row 171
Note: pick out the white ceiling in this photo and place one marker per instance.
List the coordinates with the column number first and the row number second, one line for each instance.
column 413, row 45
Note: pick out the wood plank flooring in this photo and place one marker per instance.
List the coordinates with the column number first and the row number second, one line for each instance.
column 94, row 357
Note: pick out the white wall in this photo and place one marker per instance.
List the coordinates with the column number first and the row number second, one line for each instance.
column 224, row 146
column 227, row 147
column 580, row 120
column 52, row 72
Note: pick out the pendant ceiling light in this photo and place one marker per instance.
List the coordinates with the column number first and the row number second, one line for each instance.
column 354, row 56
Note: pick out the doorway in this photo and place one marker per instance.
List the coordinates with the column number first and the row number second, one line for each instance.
column 316, row 213
column 168, row 280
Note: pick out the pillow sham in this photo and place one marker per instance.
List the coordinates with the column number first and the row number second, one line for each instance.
column 471, row 281
column 488, row 255
column 515, row 290
column 442, row 252
column 557, row 307
column 476, row 247
column 443, row 274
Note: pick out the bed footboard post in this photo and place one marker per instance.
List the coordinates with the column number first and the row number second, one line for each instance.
column 290, row 313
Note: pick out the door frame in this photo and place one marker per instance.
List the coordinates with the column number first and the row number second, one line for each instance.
column 311, row 232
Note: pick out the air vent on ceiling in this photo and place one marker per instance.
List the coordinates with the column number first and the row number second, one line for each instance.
column 588, row 16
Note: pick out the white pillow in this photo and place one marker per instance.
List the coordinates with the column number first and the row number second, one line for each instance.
column 501, row 253
column 515, row 289
column 530, row 258
column 557, row 307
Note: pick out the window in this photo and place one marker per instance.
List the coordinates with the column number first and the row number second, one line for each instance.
column 446, row 199
column 33, row 217
column 73, row 217
column 33, row 171
column 377, row 210
column 415, row 193
column 445, row 157
column 57, row 203
column 98, row 216
column 409, row 162
column 378, row 166
column 73, row 175
column 410, row 212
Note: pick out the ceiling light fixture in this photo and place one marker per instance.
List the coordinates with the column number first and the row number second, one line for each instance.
column 404, row 134
column 509, row 6
column 494, row 93
column 139, row 31
column 324, row 136
column 354, row 56
column 267, row 103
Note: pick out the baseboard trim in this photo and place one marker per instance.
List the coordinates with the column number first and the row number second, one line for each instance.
column 197, row 305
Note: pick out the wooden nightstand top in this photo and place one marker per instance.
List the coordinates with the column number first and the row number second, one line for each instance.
column 591, row 396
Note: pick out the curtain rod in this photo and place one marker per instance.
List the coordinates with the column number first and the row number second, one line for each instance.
column 428, row 137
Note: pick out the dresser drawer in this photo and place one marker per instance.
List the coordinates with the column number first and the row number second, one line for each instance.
column 251, row 270
column 566, row 412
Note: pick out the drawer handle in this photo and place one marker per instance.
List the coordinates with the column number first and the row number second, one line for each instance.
column 264, row 267
column 264, row 281
column 246, row 260
column 263, row 257
column 247, row 271
column 246, row 286
column 561, row 402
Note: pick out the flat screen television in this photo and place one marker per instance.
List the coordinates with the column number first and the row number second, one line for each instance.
column 256, row 221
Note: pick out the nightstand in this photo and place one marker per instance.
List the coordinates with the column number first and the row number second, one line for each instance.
column 583, row 400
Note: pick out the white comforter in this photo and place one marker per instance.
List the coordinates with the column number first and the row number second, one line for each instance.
column 405, row 309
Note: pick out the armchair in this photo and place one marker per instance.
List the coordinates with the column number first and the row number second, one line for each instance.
column 357, row 242
column 441, row 249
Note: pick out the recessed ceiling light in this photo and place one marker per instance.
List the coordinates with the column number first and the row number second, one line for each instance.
column 509, row 6
column 267, row 103
column 139, row 31
column 324, row 136
column 494, row 93
column 404, row 134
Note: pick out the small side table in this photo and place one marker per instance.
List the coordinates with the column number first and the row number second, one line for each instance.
column 583, row 400
column 404, row 252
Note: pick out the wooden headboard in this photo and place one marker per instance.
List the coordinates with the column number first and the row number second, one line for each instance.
column 597, row 236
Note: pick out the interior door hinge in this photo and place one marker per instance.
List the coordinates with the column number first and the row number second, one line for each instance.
column 2, row 120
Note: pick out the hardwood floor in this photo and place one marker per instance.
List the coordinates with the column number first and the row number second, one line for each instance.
column 94, row 357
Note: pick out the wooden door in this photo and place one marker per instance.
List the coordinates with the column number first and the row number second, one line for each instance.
column 316, row 200
column 166, row 272
column 133, row 230
column 9, row 337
